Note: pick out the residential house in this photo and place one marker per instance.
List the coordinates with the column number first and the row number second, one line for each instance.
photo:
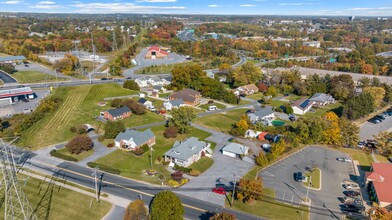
column 322, row 99
column 261, row 136
column 246, row 90
column 117, row 114
column 380, row 180
column 132, row 139
column 189, row 96
column 148, row 104
column 258, row 115
column 159, row 88
column 301, row 106
column 312, row 44
column 187, row 152
column 156, row 52
column 169, row 105
column 235, row 150
column 251, row 133
column 152, row 81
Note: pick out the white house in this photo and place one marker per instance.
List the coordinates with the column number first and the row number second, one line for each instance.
column 322, row 99
column 235, row 150
column 169, row 105
column 252, row 134
column 132, row 139
column 265, row 114
column 152, row 81
column 301, row 106
column 312, row 44
column 148, row 104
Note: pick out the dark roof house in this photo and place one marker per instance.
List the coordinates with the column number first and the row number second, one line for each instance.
column 133, row 138
column 189, row 96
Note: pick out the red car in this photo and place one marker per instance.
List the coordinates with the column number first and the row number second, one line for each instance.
column 219, row 190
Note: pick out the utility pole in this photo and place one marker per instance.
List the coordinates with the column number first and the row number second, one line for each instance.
column 96, row 183
column 114, row 44
column 235, row 185
column 151, row 158
column 93, row 47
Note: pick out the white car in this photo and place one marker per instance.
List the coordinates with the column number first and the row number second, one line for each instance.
column 344, row 159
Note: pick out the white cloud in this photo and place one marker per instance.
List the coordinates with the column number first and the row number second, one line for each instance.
column 11, row 2
column 213, row 6
column 155, row 1
column 122, row 8
column 46, row 3
column 299, row 3
column 247, row 5
column 45, row 6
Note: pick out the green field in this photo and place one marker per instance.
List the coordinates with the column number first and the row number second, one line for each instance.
column 160, row 69
column 203, row 164
column 133, row 167
column 34, row 77
column 218, row 105
column 79, row 107
column 252, row 173
column 321, row 111
column 316, row 178
column 365, row 159
column 256, row 96
column 53, row 202
column 79, row 157
column 221, row 122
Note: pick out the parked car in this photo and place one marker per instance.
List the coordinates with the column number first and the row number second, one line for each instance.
column 24, row 100
column 374, row 121
column 351, row 193
column 380, row 118
column 351, row 186
column 343, row 159
column 292, row 117
column 104, row 78
column 26, row 65
column 352, row 208
column 220, row 190
column 299, row 177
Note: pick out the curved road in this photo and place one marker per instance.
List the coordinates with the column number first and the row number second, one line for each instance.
column 6, row 78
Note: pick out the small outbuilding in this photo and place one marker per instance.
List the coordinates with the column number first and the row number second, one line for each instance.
column 235, row 150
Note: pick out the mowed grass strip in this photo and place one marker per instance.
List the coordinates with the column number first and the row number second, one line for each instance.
column 365, row 159
column 34, row 77
column 53, row 202
column 203, row 164
column 222, row 121
column 316, row 178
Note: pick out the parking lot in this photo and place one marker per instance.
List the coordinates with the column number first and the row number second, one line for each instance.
column 324, row 202
column 23, row 107
column 368, row 129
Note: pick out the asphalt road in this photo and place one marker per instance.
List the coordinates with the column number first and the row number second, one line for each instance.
column 7, row 78
column 187, row 36
column 368, row 129
column 324, row 202
column 126, row 188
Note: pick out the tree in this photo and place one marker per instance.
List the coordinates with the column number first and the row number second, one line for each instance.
column 250, row 190
column 384, row 143
column 377, row 93
column 331, row 131
column 170, row 132
column 359, row 106
column 289, row 110
column 223, row 216
column 342, row 86
column 181, row 118
column 136, row 210
column 349, row 132
column 225, row 68
column 131, row 85
column 79, row 144
column 379, row 213
column 166, row 205
column 261, row 160
column 68, row 64
column 113, row 128
column 246, row 74
column 272, row 91
column 136, row 108
column 278, row 148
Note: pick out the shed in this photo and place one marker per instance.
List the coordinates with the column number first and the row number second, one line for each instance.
column 235, row 150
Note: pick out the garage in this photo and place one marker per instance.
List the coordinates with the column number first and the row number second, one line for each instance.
column 235, row 150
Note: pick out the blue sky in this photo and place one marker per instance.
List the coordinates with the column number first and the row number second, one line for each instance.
column 235, row 7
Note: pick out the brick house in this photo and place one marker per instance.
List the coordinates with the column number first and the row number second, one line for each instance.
column 117, row 114
column 132, row 139
column 189, row 96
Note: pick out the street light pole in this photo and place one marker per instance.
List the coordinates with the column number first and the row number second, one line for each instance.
column 235, row 184
column 96, row 184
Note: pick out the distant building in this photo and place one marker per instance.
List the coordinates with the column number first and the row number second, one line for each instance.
column 13, row 95
column 169, row 105
column 117, row 114
column 12, row 59
column 312, row 44
column 258, row 115
column 351, row 18
column 189, row 96
column 156, row 52
column 246, row 90
column 152, row 81
column 132, row 139
column 301, row 106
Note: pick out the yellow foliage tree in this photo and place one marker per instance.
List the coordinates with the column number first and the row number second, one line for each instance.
column 377, row 93
column 331, row 133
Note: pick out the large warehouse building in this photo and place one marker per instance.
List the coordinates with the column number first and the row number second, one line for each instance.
column 13, row 95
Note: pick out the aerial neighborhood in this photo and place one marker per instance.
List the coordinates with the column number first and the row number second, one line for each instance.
column 158, row 116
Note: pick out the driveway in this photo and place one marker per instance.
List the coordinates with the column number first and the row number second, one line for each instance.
column 324, row 202
column 224, row 168
column 367, row 130
column 7, row 78
column 100, row 150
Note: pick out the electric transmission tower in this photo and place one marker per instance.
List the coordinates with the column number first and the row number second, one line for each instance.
column 114, row 45
column 16, row 204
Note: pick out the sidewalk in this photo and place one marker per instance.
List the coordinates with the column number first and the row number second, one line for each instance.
column 361, row 179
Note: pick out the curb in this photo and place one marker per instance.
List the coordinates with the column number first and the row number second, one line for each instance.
column 316, row 189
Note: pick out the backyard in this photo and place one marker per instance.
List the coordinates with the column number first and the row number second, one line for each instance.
column 34, row 77
column 78, row 107
column 49, row 201
column 202, row 165
column 221, row 122
column 134, row 167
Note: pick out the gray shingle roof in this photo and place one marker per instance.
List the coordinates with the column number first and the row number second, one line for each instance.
column 139, row 137
column 12, row 58
column 186, row 149
column 177, row 102
column 260, row 112
column 119, row 111
column 321, row 97
column 235, row 148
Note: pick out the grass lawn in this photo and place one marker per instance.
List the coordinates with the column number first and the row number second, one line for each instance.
column 381, row 158
column 203, row 164
column 268, row 208
column 321, row 111
column 256, row 96
column 136, row 120
column 133, row 167
column 88, row 65
column 50, row 201
column 160, row 69
column 218, row 105
column 78, row 107
column 316, row 178
column 79, row 157
column 34, row 77
column 221, row 122
column 365, row 159
column 164, row 95
column 277, row 103
column 252, row 174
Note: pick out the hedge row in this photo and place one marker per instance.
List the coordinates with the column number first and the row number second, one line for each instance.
column 104, row 168
column 54, row 153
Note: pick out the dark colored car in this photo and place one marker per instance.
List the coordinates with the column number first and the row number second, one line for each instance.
column 379, row 117
column 26, row 65
column 25, row 100
column 374, row 121
column 104, row 78
column 351, row 193
column 292, row 117
column 352, row 208
column 299, row 177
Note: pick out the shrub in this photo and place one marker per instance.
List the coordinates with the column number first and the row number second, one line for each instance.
column 82, row 130
column 173, row 183
column 177, row 175
column 183, row 181
column 54, row 153
column 73, row 129
column 116, row 103
column 113, row 128
column 110, row 145
column 183, row 169
column 289, row 110
column 131, row 84
column 138, row 151
column 170, row 132
column 145, row 148
column 79, row 144
column 194, row 173
column 165, row 163
column 104, row 168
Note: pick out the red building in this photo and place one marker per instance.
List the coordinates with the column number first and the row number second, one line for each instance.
column 156, row 52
